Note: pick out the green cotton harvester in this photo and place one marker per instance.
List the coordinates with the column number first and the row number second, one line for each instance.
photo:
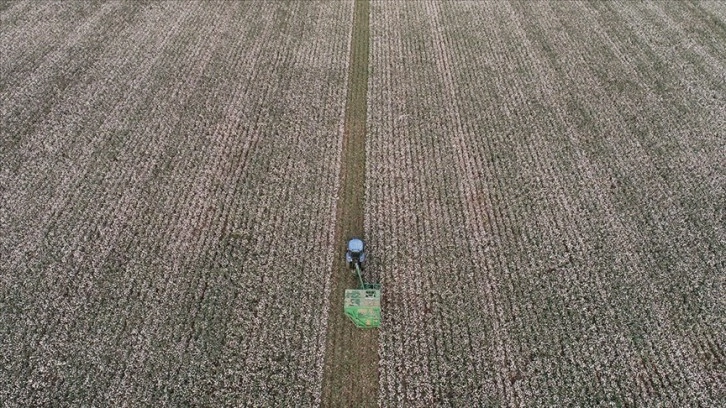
column 362, row 305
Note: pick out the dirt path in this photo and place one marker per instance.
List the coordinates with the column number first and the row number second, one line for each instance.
column 351, row 360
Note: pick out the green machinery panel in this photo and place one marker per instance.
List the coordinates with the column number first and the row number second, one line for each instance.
column 363, row 307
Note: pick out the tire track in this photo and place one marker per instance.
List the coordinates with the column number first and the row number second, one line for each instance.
column 350, row 376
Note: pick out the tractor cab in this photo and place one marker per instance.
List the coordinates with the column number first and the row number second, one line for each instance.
column 355, row 253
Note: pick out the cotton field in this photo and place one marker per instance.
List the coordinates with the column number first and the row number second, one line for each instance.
column 540, row 186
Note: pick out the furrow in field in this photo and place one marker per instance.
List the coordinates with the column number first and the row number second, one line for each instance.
column 350, row 374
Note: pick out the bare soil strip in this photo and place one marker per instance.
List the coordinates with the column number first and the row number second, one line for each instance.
column 351, row 360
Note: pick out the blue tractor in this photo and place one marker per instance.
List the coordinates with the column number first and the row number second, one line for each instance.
column 355, row 254
column 362, row 304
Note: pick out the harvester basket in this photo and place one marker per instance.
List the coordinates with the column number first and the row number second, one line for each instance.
column 363, row 307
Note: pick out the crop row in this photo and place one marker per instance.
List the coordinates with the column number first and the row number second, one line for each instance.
column 168, row 180
column 543, row 184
